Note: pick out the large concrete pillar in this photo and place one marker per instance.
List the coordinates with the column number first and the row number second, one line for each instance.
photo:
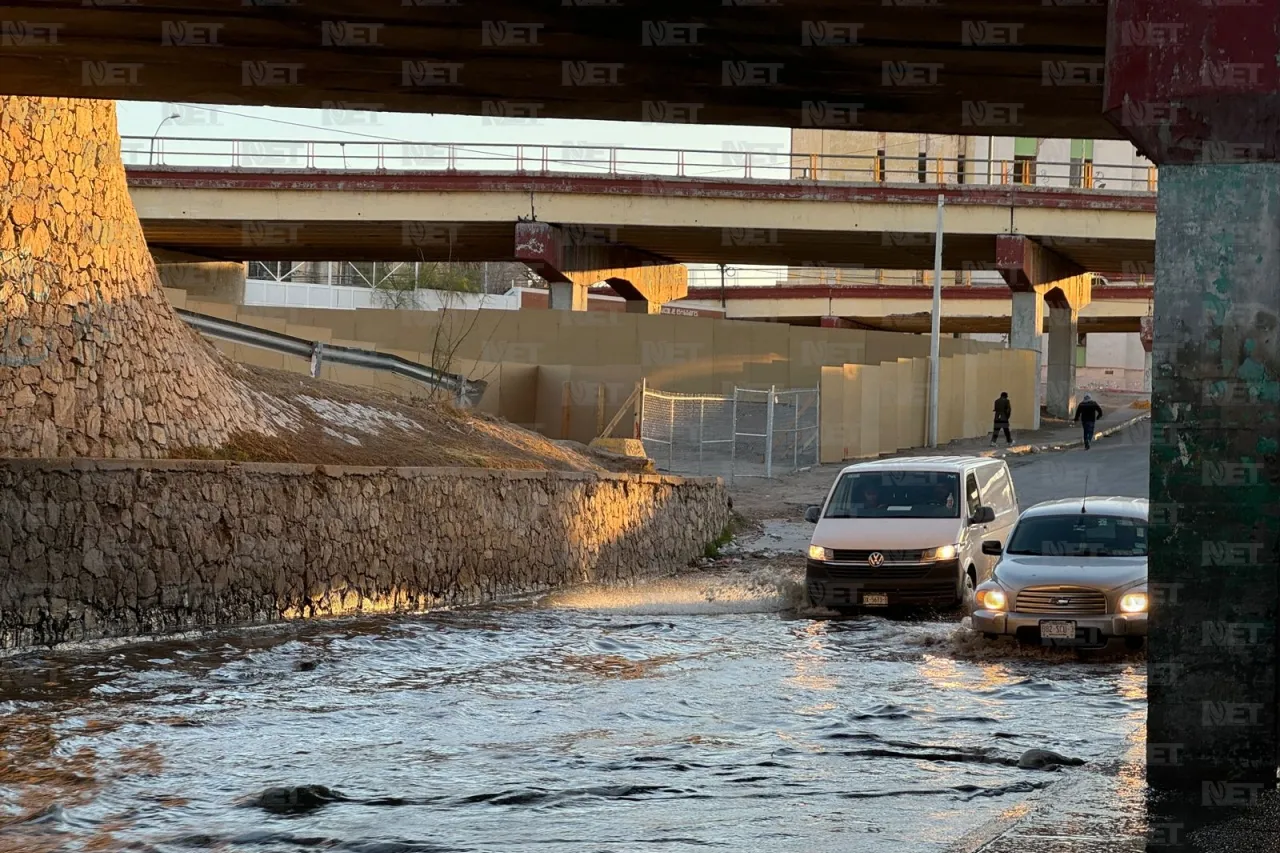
column 212, row 281
column 1026, row 328
column 1038, row 275
column 1201, row 104
column 93, row 361
column 567, row 296
column 1060, row 396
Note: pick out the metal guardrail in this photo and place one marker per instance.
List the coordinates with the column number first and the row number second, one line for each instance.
column 748, row 161
column 467, row 392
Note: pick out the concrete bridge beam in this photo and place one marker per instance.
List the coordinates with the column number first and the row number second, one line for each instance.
column 576, row 257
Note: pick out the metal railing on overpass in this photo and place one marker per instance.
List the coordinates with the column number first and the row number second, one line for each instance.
column 466, row 392
column 620, row 161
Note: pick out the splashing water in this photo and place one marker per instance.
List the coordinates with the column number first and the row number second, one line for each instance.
column 764, row 590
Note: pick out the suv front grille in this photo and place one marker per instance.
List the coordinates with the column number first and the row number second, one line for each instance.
column 1050, row 600
column 842, row 555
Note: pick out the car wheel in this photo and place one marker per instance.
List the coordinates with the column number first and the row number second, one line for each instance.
column 969, row 599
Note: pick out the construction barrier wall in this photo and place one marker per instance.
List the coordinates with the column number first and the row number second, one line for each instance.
column 565, row 374
column 870, row 409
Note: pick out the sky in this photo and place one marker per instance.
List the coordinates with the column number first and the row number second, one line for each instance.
column 146, row 128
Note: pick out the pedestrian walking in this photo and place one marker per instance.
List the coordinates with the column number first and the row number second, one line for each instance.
column 1003, row 411
column 1088, row 413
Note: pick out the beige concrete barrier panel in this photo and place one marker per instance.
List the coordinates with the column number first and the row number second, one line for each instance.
column 872, row 377
column 890, row 437
column 833, row 425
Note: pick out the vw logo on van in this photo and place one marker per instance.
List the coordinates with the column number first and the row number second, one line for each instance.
column 875, row 560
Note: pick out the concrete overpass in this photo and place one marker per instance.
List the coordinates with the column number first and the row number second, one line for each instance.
column 322, row 215
column 984, row 310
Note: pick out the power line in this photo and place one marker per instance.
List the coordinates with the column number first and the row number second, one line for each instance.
column 294, row 123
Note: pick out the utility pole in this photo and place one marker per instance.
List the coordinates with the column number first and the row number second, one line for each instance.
column 935, row 331
column 722, row 302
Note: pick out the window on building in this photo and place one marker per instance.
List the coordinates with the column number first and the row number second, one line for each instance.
column 1080, row 350
column 961, row 166
column 922, row 167
column 1081, row 163
column 1024, row 160
column 880, row 165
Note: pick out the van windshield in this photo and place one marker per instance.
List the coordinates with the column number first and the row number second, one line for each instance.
column 896, row 494
column 1079, row 535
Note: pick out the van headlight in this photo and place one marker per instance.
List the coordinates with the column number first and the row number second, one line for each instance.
column 946, row 552
column 1133, row 602
column 817, row 552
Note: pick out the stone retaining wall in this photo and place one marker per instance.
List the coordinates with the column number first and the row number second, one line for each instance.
column 96, row 548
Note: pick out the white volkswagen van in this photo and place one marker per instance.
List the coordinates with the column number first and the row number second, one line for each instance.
column 908, row 531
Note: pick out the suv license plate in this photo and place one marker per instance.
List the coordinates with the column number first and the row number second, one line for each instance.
column 879, row 599
column 1058, row 630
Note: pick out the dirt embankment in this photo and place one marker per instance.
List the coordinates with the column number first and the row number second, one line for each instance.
column 315, row 421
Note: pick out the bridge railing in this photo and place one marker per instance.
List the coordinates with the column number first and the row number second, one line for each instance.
column 621, row 161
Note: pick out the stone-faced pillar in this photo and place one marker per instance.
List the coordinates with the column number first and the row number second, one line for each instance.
column 1196, row 90
column 93, row 362
column 1026, row 330
column 1060, row 396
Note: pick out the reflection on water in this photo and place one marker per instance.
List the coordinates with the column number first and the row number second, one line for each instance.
column 682, row 715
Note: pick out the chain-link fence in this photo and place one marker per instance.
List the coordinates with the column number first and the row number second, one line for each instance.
column 750, row 433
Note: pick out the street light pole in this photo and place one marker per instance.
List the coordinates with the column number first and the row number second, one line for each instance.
column 936, row 329
column 152, row 158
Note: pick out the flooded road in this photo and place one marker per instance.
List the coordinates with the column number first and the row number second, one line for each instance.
column 704, row 712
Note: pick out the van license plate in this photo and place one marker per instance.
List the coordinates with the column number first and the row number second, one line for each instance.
column 879, row 599
column 1058, row 630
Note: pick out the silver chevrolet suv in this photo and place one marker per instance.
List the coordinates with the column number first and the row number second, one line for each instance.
column 1074, row 573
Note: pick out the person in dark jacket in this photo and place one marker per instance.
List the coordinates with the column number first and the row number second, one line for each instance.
column 1003, row 410
column 1088, row 413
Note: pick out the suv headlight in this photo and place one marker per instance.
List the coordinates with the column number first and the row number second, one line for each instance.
column 992, row 599
column 946, row 552
column 817, row 552
column 1133, row 602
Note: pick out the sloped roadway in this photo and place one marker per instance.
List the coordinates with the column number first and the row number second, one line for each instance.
column 698, row 713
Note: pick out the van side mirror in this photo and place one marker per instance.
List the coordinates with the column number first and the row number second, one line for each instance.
column 984, row 515
column 812, row 514
column 992, row 547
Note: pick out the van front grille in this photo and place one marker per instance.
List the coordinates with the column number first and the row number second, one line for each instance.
column 1061, row 601
column 843, row 555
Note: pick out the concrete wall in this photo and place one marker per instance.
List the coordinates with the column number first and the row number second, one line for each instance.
column 868, row 410
column 97, row 549
column 547, row 370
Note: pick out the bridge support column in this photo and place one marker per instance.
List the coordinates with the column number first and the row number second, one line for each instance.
column 1215, row 454
column 578, row 257
column 1026, row 327
column 567, row 296
column 210, row 282
column 1060, row 396
column 1042, row 274
column 93, row 361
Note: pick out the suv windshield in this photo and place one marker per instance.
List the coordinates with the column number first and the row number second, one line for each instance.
column 896, row 494
column 1079, row 535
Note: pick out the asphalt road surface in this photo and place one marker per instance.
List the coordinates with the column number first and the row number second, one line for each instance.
column 1116, row 465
